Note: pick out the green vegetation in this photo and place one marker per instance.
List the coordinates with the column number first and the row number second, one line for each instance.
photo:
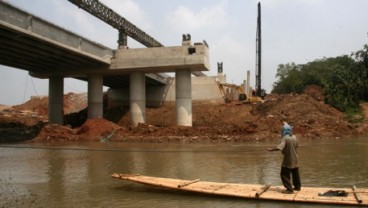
column 354, row 115
column 344, row 79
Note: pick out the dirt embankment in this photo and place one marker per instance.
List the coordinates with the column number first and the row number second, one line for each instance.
column 308, row 114
column 24, row 122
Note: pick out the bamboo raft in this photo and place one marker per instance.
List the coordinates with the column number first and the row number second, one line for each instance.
column 354, row 196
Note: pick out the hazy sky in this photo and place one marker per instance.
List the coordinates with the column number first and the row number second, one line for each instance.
column 292, row 31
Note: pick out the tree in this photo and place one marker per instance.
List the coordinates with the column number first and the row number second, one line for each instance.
column 340, row 77
column 289, row 79
column 361, row 58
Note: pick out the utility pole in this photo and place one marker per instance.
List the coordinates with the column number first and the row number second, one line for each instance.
column 258, row 53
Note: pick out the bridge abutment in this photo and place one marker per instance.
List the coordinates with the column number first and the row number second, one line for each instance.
column 56, row 98
column 95, row 96
column 138, row 98
column 183, row 95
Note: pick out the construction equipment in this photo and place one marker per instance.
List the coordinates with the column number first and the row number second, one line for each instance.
column 223, row 93
column 258, row 53
column 229, row 92
column 233, row 93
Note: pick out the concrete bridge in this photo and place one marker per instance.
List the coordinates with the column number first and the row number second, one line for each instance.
column 48, row 51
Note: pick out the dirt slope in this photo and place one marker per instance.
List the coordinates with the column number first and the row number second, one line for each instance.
column 309, row 116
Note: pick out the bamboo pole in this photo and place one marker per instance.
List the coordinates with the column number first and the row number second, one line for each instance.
column 357, row 196
column 264, row 189
column 363, row 192
column 188, row 183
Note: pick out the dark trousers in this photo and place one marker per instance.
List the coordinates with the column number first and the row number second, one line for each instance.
column 286, row 180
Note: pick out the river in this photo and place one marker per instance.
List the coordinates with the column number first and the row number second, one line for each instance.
column 78, row 174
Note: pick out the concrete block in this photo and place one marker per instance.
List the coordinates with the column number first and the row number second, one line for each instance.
column 161, row 59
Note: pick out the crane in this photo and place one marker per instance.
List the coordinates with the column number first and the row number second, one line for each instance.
column 125, row 28
column 258, row 52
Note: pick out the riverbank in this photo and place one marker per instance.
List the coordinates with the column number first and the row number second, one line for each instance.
column 212, row 122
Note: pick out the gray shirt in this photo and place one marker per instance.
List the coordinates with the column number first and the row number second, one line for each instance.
column 288, row 147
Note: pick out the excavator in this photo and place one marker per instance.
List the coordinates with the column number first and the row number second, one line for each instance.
column 229, row 92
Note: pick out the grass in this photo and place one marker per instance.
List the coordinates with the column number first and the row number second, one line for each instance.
column 355, row 115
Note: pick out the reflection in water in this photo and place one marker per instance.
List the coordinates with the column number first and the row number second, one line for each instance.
column 56, row 171
column 78, row 175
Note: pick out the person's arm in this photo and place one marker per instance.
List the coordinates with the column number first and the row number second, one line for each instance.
column 278, row 147
column 271, row 149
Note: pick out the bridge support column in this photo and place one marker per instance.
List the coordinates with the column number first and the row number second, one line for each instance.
column 138, row 98
column 183, row 95
column 95, row 96
column 56, row 99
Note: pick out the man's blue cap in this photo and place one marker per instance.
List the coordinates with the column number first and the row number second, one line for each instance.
column 286, row 129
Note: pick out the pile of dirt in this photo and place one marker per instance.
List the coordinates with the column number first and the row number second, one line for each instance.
column 39, row 104
column 310, row 117
column 315, row 91
column 4, row 107
column 52, row 132
column 18, row 125
column 23, row 122
column 307, row 113
column 26, row 117
column 99, row 129
column 91, row 130
column 75, row 102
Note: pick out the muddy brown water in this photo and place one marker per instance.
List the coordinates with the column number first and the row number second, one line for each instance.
column 78, row 174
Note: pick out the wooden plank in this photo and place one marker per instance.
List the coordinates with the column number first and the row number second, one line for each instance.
column 251, row 191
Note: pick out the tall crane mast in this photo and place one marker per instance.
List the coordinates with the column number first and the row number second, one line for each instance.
column 126, row 28
column 258, row 53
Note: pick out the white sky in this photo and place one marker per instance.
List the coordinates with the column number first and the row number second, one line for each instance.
column 292, row 31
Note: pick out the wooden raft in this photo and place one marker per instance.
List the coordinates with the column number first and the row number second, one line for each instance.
column 356, row 196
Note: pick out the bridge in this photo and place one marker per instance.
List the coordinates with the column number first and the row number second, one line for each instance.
column 48, row 51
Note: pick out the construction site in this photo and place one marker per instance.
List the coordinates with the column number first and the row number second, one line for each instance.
column 190, row 107
column 173, row 119
column 223, row 121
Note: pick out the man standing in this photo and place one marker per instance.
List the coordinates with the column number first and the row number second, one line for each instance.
column 290, row 163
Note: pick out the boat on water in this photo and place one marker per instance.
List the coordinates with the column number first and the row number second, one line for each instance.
column 338, row 196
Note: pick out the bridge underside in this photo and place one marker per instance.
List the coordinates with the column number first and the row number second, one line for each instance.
column 21, row 50
column 27, row 52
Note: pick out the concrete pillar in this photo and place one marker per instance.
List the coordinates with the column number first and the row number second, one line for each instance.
column 183, row 96
column 138, row 98
column 245, row 87
column 95, row 96
column 249, row 91
column 56, row 98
